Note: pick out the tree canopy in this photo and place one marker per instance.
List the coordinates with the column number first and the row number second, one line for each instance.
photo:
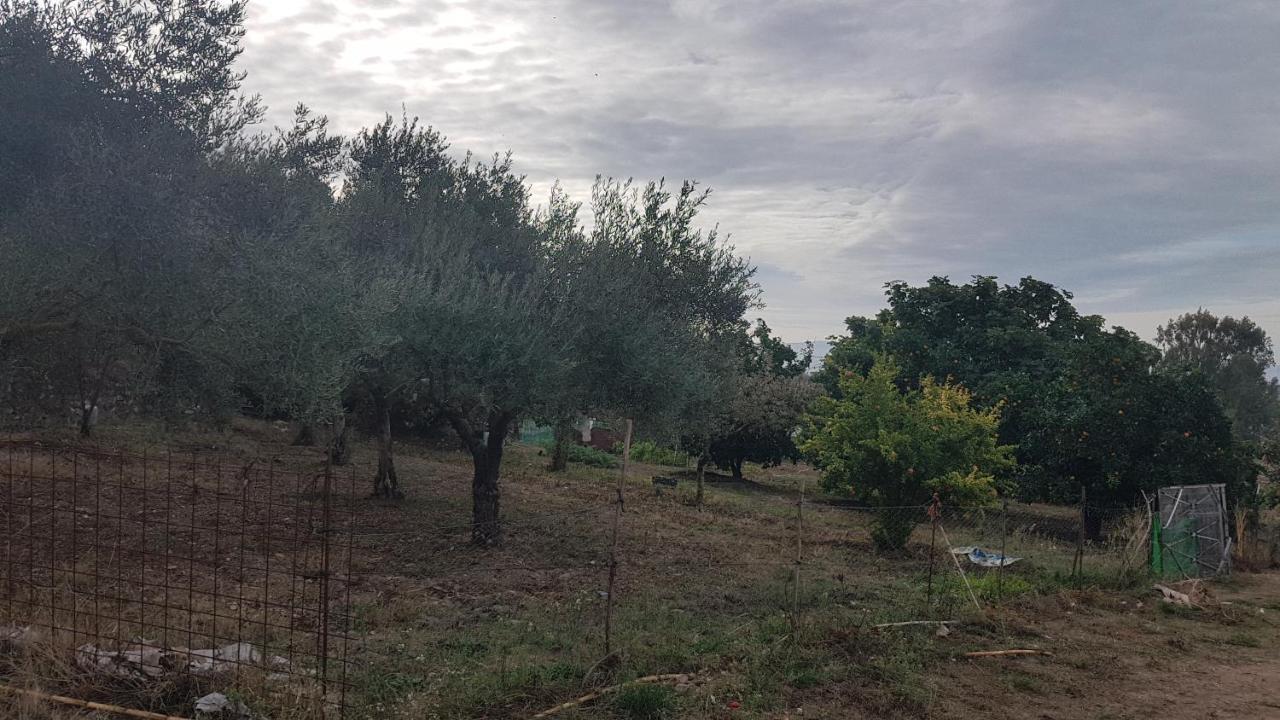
column 1233, row 355
column 759, row 404
column 160, row 258
column 1083, row 405
column 893, row 448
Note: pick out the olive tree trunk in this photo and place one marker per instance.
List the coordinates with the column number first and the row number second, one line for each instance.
column 306, row 435
column 385, row 482
column 486, row 458
column 339, row 447
column 560, row 448
column 702, row 474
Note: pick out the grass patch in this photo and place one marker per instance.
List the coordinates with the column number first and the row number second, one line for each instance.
column 1024, row 683
column 643, row 701
column 647, row 451
column 1244, row 639
column 585, row 455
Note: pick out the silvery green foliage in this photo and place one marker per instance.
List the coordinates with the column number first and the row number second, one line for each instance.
column 656, row 297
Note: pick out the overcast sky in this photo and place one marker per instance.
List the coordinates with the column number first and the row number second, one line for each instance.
column 1126, row 151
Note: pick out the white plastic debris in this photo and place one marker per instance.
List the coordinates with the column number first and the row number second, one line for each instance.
column 222, row 706
column 151, row 662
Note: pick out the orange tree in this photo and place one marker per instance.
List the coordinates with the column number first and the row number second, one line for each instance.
column 892, row 447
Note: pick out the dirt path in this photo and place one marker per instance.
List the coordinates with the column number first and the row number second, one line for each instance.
column 1124, row 661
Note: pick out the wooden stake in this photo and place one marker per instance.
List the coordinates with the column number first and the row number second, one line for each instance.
column 935, row 515
column 795, row 576
column 89, row 705
column 1004, row 539
column 1077, row 563
column 613, row 545
column 933, row 554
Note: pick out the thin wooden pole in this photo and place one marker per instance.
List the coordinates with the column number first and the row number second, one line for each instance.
column 613, row 545
column 1004, row 541
column 89, row 705
column 935, row 514
column 795, row 577
column 1077, row 563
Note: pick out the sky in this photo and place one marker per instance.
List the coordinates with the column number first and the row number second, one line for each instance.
column 1128, row 152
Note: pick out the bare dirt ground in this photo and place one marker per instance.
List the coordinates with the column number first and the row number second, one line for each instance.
column 1117, row 656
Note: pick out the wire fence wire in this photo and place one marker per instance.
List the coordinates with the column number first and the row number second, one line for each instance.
column 160, row 578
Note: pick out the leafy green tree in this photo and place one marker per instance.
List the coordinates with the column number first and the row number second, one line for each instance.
column 889, row 447
column 762, row 413
column 165, row 259
column 765, row 353
column 1115, row 427
column 114, row 238
column 762, row 405
column 1234, row 355
column 660, row 304
column 400, row 214
column 1082, row 404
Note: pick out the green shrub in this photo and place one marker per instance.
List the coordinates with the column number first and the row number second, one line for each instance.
column 647, row 451
column 585, row 455
column 645, row 702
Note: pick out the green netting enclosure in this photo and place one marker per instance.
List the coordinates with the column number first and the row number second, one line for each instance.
column 1189, row 535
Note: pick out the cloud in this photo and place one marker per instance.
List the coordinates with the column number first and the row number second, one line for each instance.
column 1125, row 151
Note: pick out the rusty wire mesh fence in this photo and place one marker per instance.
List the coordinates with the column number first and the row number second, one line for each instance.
column 164, row 580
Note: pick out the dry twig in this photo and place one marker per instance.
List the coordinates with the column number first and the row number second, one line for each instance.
column 605, row 691
column 89, row 705
column 1001, row 653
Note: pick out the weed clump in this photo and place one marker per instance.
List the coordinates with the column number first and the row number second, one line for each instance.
column 645, row 702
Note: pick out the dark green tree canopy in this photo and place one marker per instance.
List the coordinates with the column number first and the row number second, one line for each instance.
column 1084, row 405
column 1234, row 355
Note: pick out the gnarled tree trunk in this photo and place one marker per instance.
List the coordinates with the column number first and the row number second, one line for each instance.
column 385, row 482
column 306, row 435
column 702, row 474
column 339, row 448
column 88, row 418
column 736, row 466
column 560, row 447
column 486, row 527
column 486, row 457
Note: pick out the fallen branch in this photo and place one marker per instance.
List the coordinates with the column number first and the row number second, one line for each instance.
column 999, row 653
column 1175, row 597
column 89, row 705
column 915, row 622
column 605, row 691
